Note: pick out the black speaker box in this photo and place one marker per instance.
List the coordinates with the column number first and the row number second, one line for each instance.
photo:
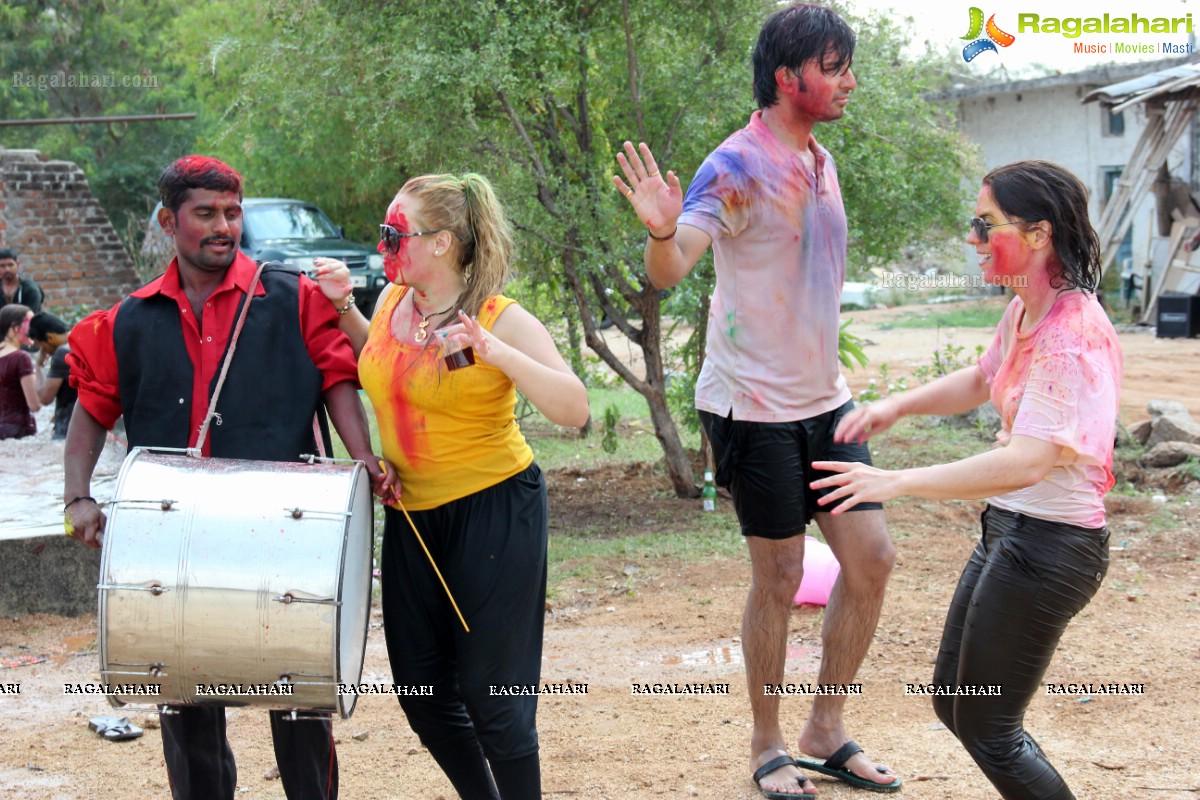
column 1178, row 316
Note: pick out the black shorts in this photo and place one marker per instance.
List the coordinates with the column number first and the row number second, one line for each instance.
column 767, row 467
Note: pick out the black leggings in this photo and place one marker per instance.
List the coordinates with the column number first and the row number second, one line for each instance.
column 200, row 763
column 491, row 548
column 1025, row 581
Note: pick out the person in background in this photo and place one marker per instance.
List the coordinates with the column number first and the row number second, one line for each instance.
column 49, row 333
column 15, row 288
column 1053, row 372
column 771, row 391
column 468, row 476
column 18, row 387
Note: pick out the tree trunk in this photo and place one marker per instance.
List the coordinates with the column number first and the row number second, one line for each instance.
column 575, row 354
column 653, row 387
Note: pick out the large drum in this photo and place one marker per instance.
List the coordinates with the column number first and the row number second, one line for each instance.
column 235, row 582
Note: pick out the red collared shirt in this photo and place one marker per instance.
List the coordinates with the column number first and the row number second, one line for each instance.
column 93, row 356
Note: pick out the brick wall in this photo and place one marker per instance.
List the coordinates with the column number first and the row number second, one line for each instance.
column 61, row 235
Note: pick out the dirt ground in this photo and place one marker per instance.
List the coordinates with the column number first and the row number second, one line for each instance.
column 660, row 620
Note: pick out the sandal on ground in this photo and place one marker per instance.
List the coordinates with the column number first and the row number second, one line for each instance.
column 835, row 767
column 115, row 729
column 772, row 765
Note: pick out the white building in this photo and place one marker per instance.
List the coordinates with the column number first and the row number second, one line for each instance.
column 1046, row 118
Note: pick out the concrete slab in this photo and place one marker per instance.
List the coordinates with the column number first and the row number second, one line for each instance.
column 41, row 570
column 47, row 573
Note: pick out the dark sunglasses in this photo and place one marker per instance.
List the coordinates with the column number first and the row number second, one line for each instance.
column 391, row 237
column 980, row 226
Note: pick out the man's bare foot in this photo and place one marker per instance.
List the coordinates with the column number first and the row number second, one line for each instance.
column 850, row 759
column 777, row 776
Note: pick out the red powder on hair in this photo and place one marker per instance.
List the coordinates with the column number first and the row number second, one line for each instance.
column 195, row 168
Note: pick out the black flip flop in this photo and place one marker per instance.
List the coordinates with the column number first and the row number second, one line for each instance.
column 772, row 765
column 835, row 767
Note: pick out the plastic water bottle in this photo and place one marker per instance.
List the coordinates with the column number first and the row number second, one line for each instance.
column 709, row 493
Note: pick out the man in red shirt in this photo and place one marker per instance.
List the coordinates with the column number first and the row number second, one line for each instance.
column 154, row 359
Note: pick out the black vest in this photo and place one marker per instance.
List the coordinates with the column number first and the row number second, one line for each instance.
column 269, row 396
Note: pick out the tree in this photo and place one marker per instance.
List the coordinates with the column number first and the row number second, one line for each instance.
column 539, row 95
column 86, row 59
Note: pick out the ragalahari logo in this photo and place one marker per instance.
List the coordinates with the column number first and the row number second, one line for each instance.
column 994, row 37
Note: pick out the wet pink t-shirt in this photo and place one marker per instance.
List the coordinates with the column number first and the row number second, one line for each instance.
column 1060, row 383
column 779, row 248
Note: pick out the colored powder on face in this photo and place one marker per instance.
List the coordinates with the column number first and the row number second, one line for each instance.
column 394, row 263
column 1008, row 254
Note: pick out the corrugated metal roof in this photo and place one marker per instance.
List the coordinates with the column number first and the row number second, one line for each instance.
column 1174, row 83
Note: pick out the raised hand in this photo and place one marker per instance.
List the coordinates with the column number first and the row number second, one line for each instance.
column 658, row 202
column 469, row 333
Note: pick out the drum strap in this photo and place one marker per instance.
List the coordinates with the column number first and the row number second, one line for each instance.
column 237, row 330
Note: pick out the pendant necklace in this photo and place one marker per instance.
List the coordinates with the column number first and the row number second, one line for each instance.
column 422, row 334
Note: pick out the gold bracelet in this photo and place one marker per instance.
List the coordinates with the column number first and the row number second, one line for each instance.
column 349, row 305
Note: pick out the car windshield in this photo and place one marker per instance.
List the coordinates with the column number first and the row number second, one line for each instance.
column 288, row 221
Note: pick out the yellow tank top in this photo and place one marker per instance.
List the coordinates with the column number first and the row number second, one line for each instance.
column 450, row 434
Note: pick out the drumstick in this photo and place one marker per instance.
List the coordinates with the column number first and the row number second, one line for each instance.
column 427, row 554
column 432, row 563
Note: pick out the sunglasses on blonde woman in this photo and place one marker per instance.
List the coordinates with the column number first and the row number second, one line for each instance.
column 392, row 238
column 981, row 227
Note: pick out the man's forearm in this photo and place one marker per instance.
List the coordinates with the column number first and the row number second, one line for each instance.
column 81, row 451
column 669, row 260
column 350, row 419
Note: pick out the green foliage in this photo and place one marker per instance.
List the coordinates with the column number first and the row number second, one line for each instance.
column 1189, row 469
column 850, row 347
column 874, row 391
column 946, row 360
column 612, row 418
column 982, row 315
column 77, row 59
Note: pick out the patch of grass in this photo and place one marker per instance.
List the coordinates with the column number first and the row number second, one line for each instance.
column 691, row 538
column 559, row 448
column 980, row 316
column 916, row 442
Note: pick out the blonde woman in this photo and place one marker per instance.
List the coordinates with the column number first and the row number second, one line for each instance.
column 468, row 476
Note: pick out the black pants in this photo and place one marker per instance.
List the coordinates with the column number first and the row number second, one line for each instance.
column 491, row 549
column 200, row 762
column 1025, row 581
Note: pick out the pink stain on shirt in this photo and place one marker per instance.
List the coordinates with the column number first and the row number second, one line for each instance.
column 1059, row 382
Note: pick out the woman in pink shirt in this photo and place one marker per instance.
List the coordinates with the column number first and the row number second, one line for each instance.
column 1053, row 372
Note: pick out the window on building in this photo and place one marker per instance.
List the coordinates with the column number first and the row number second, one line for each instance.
column 1114, row 124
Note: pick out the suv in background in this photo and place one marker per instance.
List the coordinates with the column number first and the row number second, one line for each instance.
column 293, row 232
